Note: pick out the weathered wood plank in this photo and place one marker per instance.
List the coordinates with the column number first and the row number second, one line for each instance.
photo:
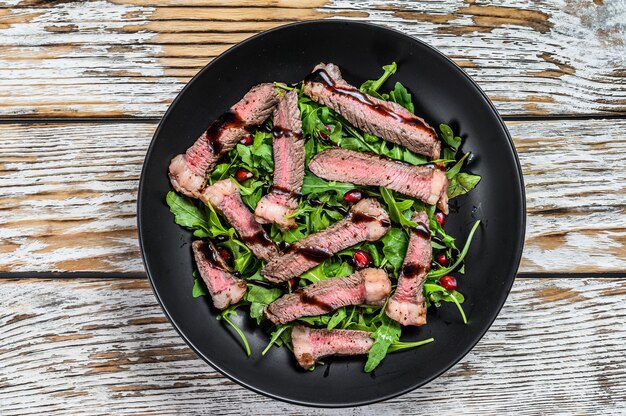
column 67, row 202
column 131, row 57
column 84, row 346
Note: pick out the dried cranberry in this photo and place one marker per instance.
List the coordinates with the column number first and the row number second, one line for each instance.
column 440, row 217
column 353, row 196
column 362, row 259
column 448, row 283
column 242, row 175
column 225, row 254
column 442, row 259
column 247, row 140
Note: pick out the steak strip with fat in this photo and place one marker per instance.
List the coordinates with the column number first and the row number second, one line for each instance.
column 407, row 305
column 187, row 172
column 224, row 197
column 426, row 183
column 289, row 156
column 385, row 119
column 311, row 345
column 366, row 220
column 367, row 286
column 225, row 289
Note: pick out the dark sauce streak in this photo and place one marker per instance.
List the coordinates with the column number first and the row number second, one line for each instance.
column 322, row 77
column 279, row 133
column 259, row 238
column 311, row 253
column 209, row 253
column 262, row 283
column 283, row 246
column 284, row 191
column 438, row 240
column 421, row 230
column 213, row 258
column 312, row 300
column 359, row 217
column 228, row 120
column 410, row 270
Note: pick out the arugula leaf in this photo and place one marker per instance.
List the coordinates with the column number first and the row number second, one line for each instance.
column 394, row 211
column 224, row 315
column 454, row 170
column 277, row 335
column 399, row 345
column 199, row 288
column 314, row 185
column 315, row 274
column 386, row 334
column 337, row 317
column 371, row 87
column 186, row 213
column 259, row 297
column 461, row 184
column 435, row 293
column 449, row 138
column 435, row 274
column 395, row 245
column 401, row 96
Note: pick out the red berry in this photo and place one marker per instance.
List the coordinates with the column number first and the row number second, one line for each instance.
column 247, row 140
column 448, row 283
column 442, row 259
column 362, row 259
column 225, row 254
column 327, row 127
column 243, row 175
column 441, row 219
column 353, row 196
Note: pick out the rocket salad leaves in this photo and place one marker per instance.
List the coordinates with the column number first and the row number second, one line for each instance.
column 322, row 205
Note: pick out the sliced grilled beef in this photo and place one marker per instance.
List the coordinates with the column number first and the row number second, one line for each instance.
column 289, row 158
column 367, row 286
column 426, row 183
column 188, row 172
column 224, row 196
column 407, row 305
column 310, row 345
column 366, row 220
column 387, row 120
column 224, row 288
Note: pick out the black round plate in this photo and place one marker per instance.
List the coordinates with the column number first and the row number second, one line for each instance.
column 442, row 93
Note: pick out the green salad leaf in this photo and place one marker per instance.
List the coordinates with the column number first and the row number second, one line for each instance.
column 386, row 334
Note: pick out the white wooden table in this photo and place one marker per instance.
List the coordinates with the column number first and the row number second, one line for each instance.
column 82, row 86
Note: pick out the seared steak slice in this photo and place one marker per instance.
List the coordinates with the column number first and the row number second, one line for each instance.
column 407, row 305
column 310, row 345
column 367, row 220
column 289, row 158
column 368, row 286
column 426, row 183
column 387, row 120
column 224, row 288
column 188, row 172
column 224, row 197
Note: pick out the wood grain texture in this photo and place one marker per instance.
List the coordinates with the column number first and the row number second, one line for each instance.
column 67, row 203
column 130, row 57
column 86, row 346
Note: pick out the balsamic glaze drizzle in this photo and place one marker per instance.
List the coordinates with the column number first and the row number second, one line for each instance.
column 227, row 120
column 322, row 77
